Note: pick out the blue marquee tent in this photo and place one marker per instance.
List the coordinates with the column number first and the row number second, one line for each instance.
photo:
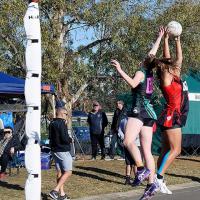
column 11, row 85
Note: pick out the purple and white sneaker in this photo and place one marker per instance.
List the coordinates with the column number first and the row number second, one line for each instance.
column 150, row 191
column 141, row 176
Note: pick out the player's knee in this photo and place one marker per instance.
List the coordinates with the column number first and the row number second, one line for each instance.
column 126, row 143
column 178, row 152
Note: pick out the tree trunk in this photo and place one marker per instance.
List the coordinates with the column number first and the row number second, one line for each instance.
column 70, row 100
column 68, row 107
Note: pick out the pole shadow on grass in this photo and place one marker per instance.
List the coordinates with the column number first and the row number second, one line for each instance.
column 193, row 178
column 10, row 186
column 101, row 171
column 83, row 174
column 189, row 159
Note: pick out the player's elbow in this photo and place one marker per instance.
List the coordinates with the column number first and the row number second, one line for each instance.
column 133, row 85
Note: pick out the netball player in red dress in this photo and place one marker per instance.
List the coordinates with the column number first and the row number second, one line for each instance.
column 175, row 112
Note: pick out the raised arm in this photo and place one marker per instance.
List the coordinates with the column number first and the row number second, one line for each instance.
column 166, row 52
column 156, row 45
column 179, row 54
column 133, row 82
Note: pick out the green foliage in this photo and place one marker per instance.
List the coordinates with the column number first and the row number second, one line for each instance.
column 123, row 30
column 11, row 36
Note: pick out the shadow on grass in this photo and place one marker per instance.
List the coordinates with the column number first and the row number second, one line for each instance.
column 101, row 171
column 45, row 196
column 193, row 178
column 189, row 159
column 10, row 186
column 83, row 174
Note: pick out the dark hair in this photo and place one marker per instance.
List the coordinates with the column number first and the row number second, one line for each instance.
column 149, row 61
column 8, row 127
column 95, row 103
column 30, row 1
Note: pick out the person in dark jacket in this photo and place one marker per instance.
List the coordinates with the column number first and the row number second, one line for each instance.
column 97, row 121
column 119, row 114
column 60, row 146
column 9, row 144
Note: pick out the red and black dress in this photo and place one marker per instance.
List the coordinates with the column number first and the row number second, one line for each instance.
column 177, row 107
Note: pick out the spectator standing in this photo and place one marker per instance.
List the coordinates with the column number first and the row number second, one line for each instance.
column 97, row 121
column 119, row 114
column 130, row 163
column 9, row 144
column 60, row 147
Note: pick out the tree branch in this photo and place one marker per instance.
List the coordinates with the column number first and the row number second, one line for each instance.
column 94, row 44
column 13, row 48
column 79, row 92
column 9, row 42
column 85, row 85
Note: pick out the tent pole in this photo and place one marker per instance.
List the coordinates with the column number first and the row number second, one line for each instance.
column 54, row 105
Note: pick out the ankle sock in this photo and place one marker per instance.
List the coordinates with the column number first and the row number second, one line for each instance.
column 159, row 176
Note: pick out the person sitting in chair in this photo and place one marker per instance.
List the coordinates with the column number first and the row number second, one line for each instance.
column 9, row 144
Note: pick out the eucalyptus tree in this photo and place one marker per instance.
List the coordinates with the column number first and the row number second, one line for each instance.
column 121, row 29
column 70, row 68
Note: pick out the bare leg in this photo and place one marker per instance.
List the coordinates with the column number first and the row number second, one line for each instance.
column 61, row 182
column 175, row 137
column 128, row 174
column 146, row 140
column 141, row 151
column 134, row 169
column 133, row 128
column 128, row 170
column 59, row 174
column 164, row 149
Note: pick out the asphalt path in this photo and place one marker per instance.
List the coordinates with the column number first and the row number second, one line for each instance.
column 188, row 191
column 192, row 193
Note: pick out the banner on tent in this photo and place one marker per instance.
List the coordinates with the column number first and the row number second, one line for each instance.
column 194, row 96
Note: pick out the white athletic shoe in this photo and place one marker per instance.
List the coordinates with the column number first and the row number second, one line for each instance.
column 108, row 158
column 162, row 186
column 121, row 158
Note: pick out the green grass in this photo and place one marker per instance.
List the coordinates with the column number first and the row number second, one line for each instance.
column 97, row 177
